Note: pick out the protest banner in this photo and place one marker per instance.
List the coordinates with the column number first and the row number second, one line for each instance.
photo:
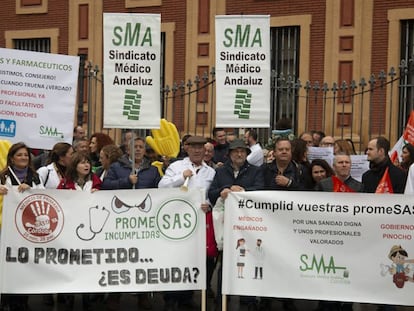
column 107, row 241
column 37, row 97
column 243, row 71
column 319, row 245
column 132, row 45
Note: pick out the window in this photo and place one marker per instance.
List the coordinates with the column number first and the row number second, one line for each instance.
column 284, row 50
column 35, row 45
column 406, row 90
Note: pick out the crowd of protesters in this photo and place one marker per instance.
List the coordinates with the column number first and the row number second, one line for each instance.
column 221, row 164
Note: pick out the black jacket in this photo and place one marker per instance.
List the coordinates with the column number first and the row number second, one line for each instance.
column 371, row 178
column 297, row 173
column 221, row 152
column 250, row 177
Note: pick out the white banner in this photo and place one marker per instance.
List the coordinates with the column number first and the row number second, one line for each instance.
column 325, row 246
column 37, row 97
column 108, row 241
column 242, row 71
column 132, row 70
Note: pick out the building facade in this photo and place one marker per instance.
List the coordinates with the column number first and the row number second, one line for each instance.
column 323, row 51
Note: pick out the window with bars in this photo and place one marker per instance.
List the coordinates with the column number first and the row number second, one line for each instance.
column 284, row 50
column 34, row 44
column 406, row 90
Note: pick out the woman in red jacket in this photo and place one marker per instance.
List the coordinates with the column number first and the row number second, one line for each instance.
column 79, row 175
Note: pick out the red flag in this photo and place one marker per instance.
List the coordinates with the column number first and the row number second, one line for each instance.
column 406, row 137
column 396, row 151
column 339, row 186
column 409, row 129
column 385, row 186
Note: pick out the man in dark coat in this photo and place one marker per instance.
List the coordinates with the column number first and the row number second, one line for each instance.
column 283, row 173
column 379, row 164
column 234, row 176
column 382, row 177
column 221, row 148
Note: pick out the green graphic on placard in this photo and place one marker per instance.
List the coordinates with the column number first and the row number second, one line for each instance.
column 132, row 104
column 242, row 103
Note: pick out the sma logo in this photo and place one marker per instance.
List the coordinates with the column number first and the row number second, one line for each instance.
column 50, row 131
column 132, row 35
column 314, row 264
column 240, row 37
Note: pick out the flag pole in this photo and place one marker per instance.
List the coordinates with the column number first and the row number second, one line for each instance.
column 132, row 146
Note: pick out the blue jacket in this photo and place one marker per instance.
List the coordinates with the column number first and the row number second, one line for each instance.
column 118, row 175
column 250, row 178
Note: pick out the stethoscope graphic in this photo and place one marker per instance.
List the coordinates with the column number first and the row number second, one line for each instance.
column 97, row 221
column 99, row 217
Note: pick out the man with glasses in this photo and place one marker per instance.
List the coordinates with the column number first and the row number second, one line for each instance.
column 327, row 141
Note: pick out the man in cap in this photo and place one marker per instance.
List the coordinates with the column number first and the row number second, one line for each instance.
column 193, row 168
column 234, row 176
column 192, row 172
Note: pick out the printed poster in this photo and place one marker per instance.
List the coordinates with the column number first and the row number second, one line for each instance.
column 243, row 71
column 320, row 245
column 107, row 241
column 37, row 97
column 132, row 44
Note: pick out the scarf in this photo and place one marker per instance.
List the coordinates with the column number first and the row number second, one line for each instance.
column 340, row 186
column 20, row 173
